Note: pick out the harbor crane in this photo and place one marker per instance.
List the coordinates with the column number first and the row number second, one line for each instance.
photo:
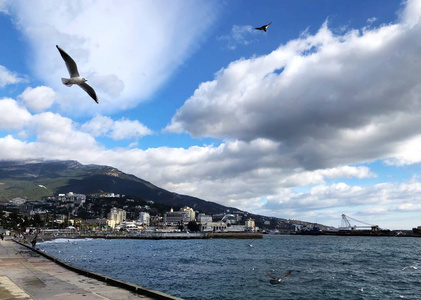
column 346, row 224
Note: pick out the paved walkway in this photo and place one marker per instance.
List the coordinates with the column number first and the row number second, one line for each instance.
column 24, row 274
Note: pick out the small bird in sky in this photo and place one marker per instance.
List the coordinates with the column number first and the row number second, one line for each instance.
column 264, row 27
column 275, row 279
column 75, row 78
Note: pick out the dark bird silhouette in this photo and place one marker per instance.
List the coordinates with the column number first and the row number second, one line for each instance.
column 75, row 78
column 275, row 279
column 264, row 27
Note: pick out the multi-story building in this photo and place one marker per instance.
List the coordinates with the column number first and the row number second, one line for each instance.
column 203, row 218
column 116, row 216
column 176, row 217
column 250, row 225
column 190, row 211
column 77, row 199
column 144, row 218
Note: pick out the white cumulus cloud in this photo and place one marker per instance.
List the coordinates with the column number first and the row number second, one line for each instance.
column 327, row 99
column 38, row 99
column 16, row 116
column 118, row 130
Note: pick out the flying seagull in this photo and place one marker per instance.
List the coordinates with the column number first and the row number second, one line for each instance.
column 275, row 279
column 264, row 27
column 414, row 267
column 75, row 78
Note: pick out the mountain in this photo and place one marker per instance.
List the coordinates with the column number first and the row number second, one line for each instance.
column 35, row 179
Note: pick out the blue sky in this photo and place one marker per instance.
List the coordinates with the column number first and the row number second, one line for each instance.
column 316, row 117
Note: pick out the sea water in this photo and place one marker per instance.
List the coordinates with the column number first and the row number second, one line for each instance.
column 324, row 267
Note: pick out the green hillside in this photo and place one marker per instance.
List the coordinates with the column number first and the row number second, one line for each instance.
column 35, row 179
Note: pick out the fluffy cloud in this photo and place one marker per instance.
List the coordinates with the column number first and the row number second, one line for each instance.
column 122, row 73
column 56, row 137
column 117, row 130
column 7, row 77
column 16, row 116
column 327, row 99
column 39, row 98
column 125, row 129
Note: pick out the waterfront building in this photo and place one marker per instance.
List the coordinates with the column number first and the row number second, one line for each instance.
column 204, row 222
column 128, row 226
column 191, row 213
column 144, row 218
column 175, row 217
column 250, row 224
column 214, row 226
column 116, row 216
column 203, row 218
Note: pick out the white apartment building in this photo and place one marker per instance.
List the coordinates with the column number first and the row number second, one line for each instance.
column 116, row 216
column 250, row 224
column 78, row 199
column 203, row 218
column 144, row 218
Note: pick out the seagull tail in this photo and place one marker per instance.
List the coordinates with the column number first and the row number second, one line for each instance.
column 66, row 82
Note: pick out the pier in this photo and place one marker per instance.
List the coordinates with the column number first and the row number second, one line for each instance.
column 31, row 274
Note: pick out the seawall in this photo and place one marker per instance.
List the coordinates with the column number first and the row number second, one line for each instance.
column 26, row 273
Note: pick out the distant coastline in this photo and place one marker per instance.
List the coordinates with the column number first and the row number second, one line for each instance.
column 153, row 235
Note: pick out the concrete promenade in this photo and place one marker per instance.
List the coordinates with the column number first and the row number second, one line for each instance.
column 25, row 274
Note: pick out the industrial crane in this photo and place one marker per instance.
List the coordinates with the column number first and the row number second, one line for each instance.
column 346, row 225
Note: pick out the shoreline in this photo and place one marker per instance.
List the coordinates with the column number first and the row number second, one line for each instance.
column 108, row 280
column 27, row 273
column 151, row 236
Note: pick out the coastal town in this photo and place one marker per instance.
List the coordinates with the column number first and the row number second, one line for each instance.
column 110, row 213
column 118, row 213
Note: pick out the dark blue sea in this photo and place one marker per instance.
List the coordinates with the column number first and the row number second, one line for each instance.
column 325, row 267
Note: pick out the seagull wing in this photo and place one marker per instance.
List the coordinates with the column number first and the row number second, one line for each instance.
column 268, row 24
column 286, row 274
column 260, row 28
column 87, row 88
column 70, row 63
column 271, row 276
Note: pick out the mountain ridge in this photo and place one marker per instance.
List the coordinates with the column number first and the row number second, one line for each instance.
column 33, row 179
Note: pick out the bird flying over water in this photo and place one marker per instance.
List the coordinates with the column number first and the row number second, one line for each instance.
column 264, row 27
column 75, row 78
column 414, row 267
column 275, row 279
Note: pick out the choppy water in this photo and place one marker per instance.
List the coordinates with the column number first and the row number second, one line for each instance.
column 329, row 267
